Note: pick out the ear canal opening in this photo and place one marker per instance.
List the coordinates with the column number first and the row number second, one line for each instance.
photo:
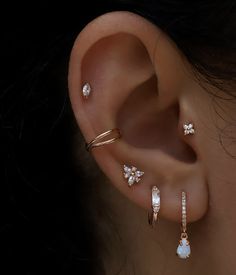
column 143, row 125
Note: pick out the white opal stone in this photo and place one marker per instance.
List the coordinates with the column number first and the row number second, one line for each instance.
column 184, row 250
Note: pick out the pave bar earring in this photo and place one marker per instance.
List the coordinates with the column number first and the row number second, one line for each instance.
column 156, row 203
column 183, row 250
column 100, row 140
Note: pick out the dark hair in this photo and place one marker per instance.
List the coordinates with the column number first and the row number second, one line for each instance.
column 205, row 32
column 45, row 227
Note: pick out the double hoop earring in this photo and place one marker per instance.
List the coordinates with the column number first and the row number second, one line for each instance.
column 156, row 203
column 112, row 135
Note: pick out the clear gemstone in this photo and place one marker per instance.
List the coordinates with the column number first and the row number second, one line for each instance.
column 86, row 90
column 139, row 173
column 184, row 250
column 131, row 180
column 156, row 200
column 126, row 169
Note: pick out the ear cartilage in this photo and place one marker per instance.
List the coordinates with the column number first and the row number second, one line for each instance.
column 188, row 129
column 132, row 175
column 183, row 249
column 156, row 203
column 86, row 90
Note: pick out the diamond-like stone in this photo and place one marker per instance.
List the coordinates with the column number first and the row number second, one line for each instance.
column 131, row 180
column 184, row 250
column 156, row 200
column 126, row 169
column 86, row 90
column 139, row 173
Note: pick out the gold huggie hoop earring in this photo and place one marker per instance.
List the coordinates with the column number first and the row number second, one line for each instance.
column 183, row 250
column 99, row 140
column 156, row 203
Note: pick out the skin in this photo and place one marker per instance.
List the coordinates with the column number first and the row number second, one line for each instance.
column 142, row 84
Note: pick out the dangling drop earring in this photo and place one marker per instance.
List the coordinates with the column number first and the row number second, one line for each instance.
column 184, row 250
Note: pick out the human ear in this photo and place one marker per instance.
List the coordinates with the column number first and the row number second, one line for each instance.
column 140, row 84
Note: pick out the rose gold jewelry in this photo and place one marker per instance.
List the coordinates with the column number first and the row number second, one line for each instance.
column 132, row 174
column 113, row 135
column 183, row 249
column 156, row 202
column 188, row 129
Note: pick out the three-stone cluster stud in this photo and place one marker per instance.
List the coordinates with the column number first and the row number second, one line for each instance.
column 132, row 175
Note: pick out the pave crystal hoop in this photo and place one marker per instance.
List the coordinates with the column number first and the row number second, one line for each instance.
column 113, row 135
column 156, row 202
column 183, row 249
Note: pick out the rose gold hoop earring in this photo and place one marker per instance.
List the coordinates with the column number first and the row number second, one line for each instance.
column 112, row 135
column 183, row 249
column 156, row 203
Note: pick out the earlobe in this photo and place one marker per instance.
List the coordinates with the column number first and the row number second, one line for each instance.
column 137, row 82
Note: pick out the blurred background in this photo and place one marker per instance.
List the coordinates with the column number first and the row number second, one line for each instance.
column 44, row 228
